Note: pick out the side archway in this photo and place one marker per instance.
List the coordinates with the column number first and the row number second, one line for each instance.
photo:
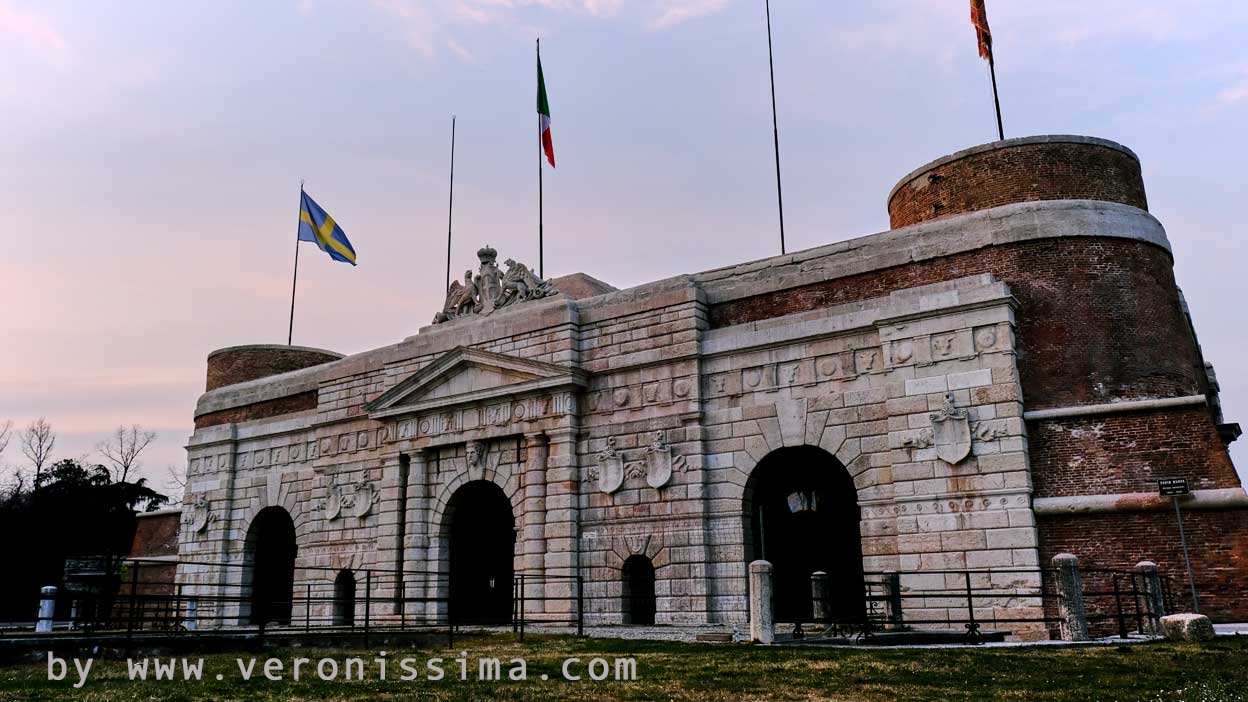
column 269, row 567
column 800, row 512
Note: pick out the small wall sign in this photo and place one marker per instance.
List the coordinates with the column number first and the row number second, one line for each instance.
column 1172, row 487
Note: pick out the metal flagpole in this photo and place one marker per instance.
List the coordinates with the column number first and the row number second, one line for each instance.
column 450, row 207
column 775, row 129
column 1187, row 559
column 992, row 71
column 540, row 248
column 290, row 331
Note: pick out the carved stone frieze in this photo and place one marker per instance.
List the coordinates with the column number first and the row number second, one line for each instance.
column 497, row 414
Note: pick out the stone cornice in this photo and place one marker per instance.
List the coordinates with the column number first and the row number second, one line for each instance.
column 1007, row 224
column 1219, row 498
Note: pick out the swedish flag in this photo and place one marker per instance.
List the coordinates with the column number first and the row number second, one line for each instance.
column 316, row 226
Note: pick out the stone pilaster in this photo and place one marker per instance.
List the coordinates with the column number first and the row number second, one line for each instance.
column 533, row 528
column 418, row 583
column 562, row 528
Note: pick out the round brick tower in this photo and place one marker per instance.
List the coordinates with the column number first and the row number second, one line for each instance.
column 236, row 364
column 1100, row 319
column 1058, row 167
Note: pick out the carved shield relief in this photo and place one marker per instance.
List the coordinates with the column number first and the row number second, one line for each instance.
column 658, row 467
column 611, row 476
column 365, row 496
column 333, row 503
column 951, row 432
column 200, row 514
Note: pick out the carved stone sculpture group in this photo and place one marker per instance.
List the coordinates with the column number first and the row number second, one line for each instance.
column 491, row 289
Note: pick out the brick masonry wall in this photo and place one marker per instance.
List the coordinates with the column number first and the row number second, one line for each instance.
column 1099, row 319
column 1127, row 453
column 290, row 404
column 1021, row 173
column 155, row 536
column 1218, row 540
column 242, row 363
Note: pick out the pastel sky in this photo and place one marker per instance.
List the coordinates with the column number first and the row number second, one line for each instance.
column 151, row 153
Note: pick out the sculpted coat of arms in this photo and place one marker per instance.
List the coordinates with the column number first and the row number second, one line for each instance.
column 656, row 465
column 352, row 499
column 611, row 462
column 951, row 432
column 491, row 288
column 199, row 514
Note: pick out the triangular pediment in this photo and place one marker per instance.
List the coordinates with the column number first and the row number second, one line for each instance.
column 465, row 375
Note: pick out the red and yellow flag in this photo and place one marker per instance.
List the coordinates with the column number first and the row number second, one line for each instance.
column 979, row 19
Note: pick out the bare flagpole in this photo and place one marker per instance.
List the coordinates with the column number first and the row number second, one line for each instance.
column 775, row 129
column 294, row 281
column 450, row 207
column 992, row 71
column 540, row 233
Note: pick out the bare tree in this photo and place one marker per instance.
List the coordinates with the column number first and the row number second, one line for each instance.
column 38, row 440
column 122, row 449
column 5, row 434
column 176, row 479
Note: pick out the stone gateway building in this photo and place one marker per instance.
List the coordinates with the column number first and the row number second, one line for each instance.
column 1002, row 376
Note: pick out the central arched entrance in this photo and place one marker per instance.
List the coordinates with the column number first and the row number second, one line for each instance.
column 482, row 542
column 271, row 547
column 801, row 512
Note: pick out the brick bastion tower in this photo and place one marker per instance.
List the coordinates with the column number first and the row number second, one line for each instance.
column 1001, row 377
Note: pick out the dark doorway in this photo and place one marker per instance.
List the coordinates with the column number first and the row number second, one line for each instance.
column 271, row 543
column 639, row 599
column 482, row 544
column 344, row 598
column 802, row 513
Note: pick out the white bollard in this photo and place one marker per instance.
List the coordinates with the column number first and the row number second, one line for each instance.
column 762, row 619
column 47, row 604
column 819, row 609
column 1074, row 622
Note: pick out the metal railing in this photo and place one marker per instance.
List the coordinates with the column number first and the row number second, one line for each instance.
column 140, row 598
column 975, row 603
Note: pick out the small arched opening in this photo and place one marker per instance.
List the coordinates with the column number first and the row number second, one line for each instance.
column 344, row 598
column 639, row 601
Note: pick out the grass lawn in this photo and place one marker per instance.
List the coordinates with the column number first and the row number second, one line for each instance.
column 667, row 671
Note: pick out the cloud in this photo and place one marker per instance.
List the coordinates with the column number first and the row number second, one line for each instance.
column 33, row 29
column 434, row 25
column 1237, row 91
column 674, row 12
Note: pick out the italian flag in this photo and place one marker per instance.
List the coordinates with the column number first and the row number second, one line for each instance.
column 543, row 114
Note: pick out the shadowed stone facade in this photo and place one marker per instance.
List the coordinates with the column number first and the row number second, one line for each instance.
column 918, row 364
